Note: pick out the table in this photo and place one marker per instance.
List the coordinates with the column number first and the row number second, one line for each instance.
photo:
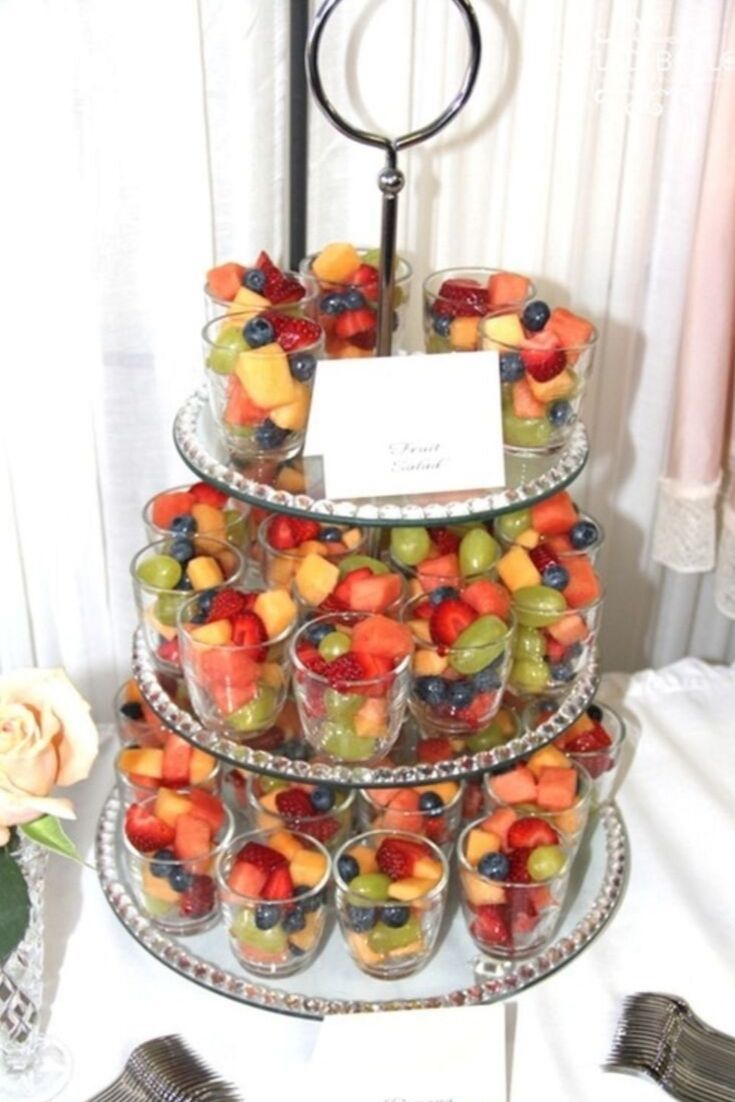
column 673, row 933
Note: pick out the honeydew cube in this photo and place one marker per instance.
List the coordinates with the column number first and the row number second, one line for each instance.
column 516, row 569
column 204, row 572
column 505, row 328
column 216, row 634
column 410, row 888
column 308, row 867
column 316, row 578
column 144, row 762
column 277, row 610
column 336, row 263
column 295, row 414
column 480, row 842
column 265, row 375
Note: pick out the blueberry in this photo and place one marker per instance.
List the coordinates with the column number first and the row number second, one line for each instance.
column 431, row 802
column 583, row 534
column 442, row 325
column 555, row 576
column 561, row 671
column 302, row 366
column 535, row 316
column 316, row 632
column 511, row 367
column 268, row 435
column 181, row 549
column 184, row 583
column 431, row 690
column 595, row 713
column 183, row 525
column 461, row 694
column 161, row 862
column 205, row 600
column 296, row 750
column 179, row 879
column 132, row 709
column 330, row 535
column 322, row 798
column 443, row 593
column 255, row 280
column 559, row 413
column 494, row 866
column 348, row 868
column 354, row 299
column 294, row 921
column 361, row 919
column 332, row 303
column 259, row 331
column 314, row 902
column 396, row 915
column 267, row 915
column 489, row 679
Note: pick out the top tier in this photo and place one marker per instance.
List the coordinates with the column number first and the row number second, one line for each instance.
column 296, row 488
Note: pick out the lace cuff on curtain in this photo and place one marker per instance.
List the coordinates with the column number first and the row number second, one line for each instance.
column 685, row 531
column 725, row 576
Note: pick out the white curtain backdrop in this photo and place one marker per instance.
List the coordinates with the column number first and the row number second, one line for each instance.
column 143, row 140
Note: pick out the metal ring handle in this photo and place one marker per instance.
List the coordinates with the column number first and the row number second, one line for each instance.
column 392, row 145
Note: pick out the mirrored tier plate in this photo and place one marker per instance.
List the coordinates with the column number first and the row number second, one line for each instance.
column 457, row 975
column 530, row 479
column 406, row 772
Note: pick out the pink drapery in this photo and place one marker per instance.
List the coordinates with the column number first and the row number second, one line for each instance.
column 702, row 446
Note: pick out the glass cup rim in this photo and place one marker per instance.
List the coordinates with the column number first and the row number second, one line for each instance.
column 309, row 295
column 404, row 269
column 467, row 867
column 316, row 344
column 166, row 533
column 268, row 643
column 506, row 543
column 241, row 840
column 299, row 666
column 122, row 776
column 454, row 649
column 504, row 346
column 364, row 839
column 445, row 273
column 583, row 798
column 365, row 795
column 413, row 571
column 292, row 552
column 591, row 606
column 227, row 828
column 345, row 806
column 618, row 735
column 222, row 545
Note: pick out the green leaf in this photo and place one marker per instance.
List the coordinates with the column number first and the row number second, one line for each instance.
column 49, row 833
column 15, row 905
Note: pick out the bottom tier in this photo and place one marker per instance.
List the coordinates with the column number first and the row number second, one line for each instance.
column 457, row 975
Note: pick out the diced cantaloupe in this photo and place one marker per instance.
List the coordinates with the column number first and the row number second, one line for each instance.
column 277, row 610
column 336, row 263
column 428, row 868
column 556, row 789
column 307, row 938
column 528, row 539
column 158, row 887
column 505, row 328
column 210, row 519
column 265, row 375
column 516, row 569
column 169, row 805
column 361, row 949
column 409, row 888
column 280, row 569
column 420, row 630
column 286, row 844
column 271, row 673
column 316, row 578
column 216, row 634
column 290, row 479
column 365, row 857
column 554, row 516
column 352, row 538
column 143, row 762
column 480, row 891
column 516, row 787
column 499, row 823
column 559, row 387
column 295, row 413
column 370, row 721
column 445, row 790
column 480, row 842
column 204, row 572
column 545, row 757
column 429, row 663
column 201, row 765
column 307, row 867
column 463, row 333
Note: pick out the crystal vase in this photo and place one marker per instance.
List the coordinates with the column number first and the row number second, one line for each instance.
column 32, row 1067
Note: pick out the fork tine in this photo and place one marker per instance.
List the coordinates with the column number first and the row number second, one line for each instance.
column 165, row 1069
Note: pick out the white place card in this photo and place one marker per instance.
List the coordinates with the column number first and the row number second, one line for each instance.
column 445, row 1055
column 407, row 425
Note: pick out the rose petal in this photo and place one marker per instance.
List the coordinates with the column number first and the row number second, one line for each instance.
column 18, row 809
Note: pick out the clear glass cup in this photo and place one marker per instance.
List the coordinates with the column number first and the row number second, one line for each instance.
column 505, row 919
column 268, row 420
column 158, row 605
column 551, row 649
column 361, row 721
column 600, row 764
column 232, row 525
column 539, row 415
column 237, row 690
column 342, row 340
column 456, row 690
column 450, row 326
column 276, row 938
column 557, row 543
column 402, row 809
column 190, row 903
column 441, row 566
column 303, row 307
column 136, row 722
column 569, row 823
column 135, row 787
column 395, row 936
column 330, row 827
column 279, row 567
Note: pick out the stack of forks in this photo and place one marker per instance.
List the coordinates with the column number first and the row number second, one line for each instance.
column 166, row 1070
column 659, row 1036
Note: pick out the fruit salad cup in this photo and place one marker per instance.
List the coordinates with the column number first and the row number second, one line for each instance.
column 456, row 298
column 432, row 810
column 514, row 874
column 319, row 811
column 234, row 288
column 390, row 898
column 260, row 373
column 197, row 510
column 137, row 723
column 164, row 575
column 549, row 786
column 274, row 890
column 554, row 640
column 234, row 655
column 554, row 523
column 503, row 727
column 347, row 302
column 172, row 842
column 433, row 557
column 461, row 662
column 141, row 770
column 350, row 680
column 594, row 741
column 545, row 359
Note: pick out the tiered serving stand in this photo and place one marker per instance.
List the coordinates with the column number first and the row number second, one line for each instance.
column 458, row 975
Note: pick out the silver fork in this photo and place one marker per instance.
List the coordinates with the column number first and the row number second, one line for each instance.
column 167, row 1070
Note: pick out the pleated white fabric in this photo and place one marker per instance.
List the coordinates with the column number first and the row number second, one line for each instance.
column 149, row 139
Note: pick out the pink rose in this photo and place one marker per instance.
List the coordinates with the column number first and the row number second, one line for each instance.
column 47, row 738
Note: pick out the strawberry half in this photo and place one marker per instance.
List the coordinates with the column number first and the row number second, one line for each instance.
column 542, row 556
column 279, row 287
column 279, row 885
column 352, row 322
column 248, row 630
column 432, row 750
column 449, row 619
column 468, row 297
column 145, row 832
column 344, row 671
column 491, row 924
column 294, row 804
column 396, row 857
column 304, row 530
column 293, row 333
column 343, row 592
column 531, row 832
column 310, row 657
column 226, row 604
column 367, row 278
column 323, row 829
column 204, row 494
column 518, row 871
column 596, row 738
column 542, row 357
column 263, row 857
column 281, row 534
column 446, row 542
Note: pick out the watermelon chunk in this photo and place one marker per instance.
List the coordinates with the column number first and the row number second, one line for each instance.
column 382, row 637
column 516, row 787
column 247, row 879
column 176, row 758
column 584, row 585
column 193, row 838
column 225, row 280
column 240, row 408
column 376, row 593
column 524, row 403
column 557, row 788
column 507, row 288
column 443, row 570
column 571, row 329
column 488, row 598
column 554, row 516
column 206, row 806
column 168, row 506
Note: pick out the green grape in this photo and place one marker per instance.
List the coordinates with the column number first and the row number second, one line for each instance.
column 342, row 705
column 157, row 907
column 545, row 862
column 529, row 643
column 244, row 929
column 410, row 545
column 371, row 885
column 257, row 713
column 477, row 552
column 435, row 344
column 167, row 607
column 510, row 525
column 529, row 675
column 525, row 432
column 340, row 741
column 244, row 431
column 487, row 739
column 236, row 526
column 537, row 606
column 272, row 784
column 223, row 356
column 484, row 640
column 358, row 562
column 159, row 571
column 384, row 939
column 334, row 645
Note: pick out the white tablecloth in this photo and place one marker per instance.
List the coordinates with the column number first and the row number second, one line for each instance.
column 673, row 933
